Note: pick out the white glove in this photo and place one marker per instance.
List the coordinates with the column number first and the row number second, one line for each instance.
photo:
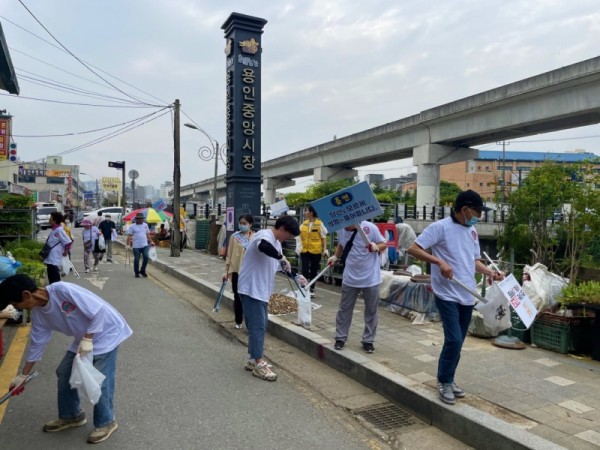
column 285, row 264
column 16, row 384
column 326, row 253
column 85, row 346
column 331, row 261
column 301, row 280
column 373, row 247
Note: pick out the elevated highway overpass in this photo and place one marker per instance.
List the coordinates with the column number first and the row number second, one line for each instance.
column 564, row 98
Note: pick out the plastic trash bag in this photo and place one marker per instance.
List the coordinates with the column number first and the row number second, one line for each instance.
column 152, row 253
column 101, row 242
column 65, row 267
column 542, row 286
column 496, row 312
column 304, row 307
column 86, row 378
column 8, row 267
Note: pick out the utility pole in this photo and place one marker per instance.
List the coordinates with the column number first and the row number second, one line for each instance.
column 98, row 205
column 502, row 193
column 175, row 243
column 215, row 179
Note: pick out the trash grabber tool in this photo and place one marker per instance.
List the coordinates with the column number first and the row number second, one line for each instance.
column 217, row 305
column 469, row 290
column 74, row 269
column 9, row 394
column 492, row 263
column 319, row 275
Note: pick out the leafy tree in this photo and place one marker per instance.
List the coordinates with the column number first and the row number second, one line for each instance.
column 448, row 192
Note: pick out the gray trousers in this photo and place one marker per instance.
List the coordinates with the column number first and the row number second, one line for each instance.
column 109, row 244
column 343, row 319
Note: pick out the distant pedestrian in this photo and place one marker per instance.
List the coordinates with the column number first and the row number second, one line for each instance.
column 90, row 236
column 236, row 249
column 455, row 253
column 60, row 244
column 106, row 227
column 313, row 244
column 263, row 258
column 97, row 329
column 138, row 238
column 361, row 274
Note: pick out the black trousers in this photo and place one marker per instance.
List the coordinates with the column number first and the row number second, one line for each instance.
column 238, row 309
column 53, row 273
column 311, row 264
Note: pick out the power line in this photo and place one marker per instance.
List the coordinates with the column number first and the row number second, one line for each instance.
column 76, row 57
column 95, row 67
column 142, row 105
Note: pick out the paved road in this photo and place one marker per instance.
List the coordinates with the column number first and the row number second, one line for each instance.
column 180, row 385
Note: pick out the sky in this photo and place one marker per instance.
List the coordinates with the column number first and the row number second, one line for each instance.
column 329, row 68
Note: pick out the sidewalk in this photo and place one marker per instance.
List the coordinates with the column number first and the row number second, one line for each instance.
column 516, row 399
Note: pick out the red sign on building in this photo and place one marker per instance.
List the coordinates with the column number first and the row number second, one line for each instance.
column 4, row 137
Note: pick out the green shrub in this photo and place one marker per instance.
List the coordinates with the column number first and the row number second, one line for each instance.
column 586, row 292
column 21, row 254
column 34, row 269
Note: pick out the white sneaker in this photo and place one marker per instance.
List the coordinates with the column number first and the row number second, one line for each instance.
column 87, row 270
column 264, row 372
column 95, row 268
column 312, row 294
column 238, row 326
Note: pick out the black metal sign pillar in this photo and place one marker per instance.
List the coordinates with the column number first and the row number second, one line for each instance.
column 243, row 78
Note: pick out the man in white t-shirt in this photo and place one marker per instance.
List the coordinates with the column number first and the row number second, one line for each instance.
column 138, row 237
column 97, row 329
column 263, row 258
column 455, row 253
column 361, row 273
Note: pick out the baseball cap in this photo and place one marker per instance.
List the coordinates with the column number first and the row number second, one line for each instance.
column 471, row 199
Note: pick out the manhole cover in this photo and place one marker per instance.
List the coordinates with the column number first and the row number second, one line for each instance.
column 387, row 417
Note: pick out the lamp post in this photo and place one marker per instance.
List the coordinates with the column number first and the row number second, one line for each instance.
column 206, row 153
column 97, row 196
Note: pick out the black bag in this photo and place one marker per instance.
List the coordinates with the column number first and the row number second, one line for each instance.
column 46, row 249
column 347, row 248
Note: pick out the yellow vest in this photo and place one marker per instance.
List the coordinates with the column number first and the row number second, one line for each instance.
column 311, row 241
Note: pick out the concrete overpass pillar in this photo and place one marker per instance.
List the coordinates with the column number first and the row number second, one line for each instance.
column 428, row 159
column 321, row 174
column 270, row 186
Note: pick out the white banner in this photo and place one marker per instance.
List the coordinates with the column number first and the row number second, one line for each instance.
column 278, row 208
column 517, row 298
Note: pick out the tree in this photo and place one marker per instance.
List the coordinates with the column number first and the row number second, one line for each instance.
column 448, row 192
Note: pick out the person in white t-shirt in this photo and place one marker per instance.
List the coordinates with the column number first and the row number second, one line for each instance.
column 138, row 237
column 361, row 273
column 455, row 253
column 60, row 244
column 263, row 258
column 97, row 329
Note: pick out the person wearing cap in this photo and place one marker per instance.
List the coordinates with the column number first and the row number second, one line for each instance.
column 138, row 238
column 106, row 227
column 455, row 253
column 90, row 236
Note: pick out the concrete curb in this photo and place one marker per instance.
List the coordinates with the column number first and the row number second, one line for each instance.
column 467, row 424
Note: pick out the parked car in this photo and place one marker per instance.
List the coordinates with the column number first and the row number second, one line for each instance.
column 79, row 219
column 116, row 213
column 43, row 216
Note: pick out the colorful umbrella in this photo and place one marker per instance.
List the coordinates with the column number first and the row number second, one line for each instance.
column 150, row 215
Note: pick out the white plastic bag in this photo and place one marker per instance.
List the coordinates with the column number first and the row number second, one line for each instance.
column 304, row 308
column 113, row 235
column 65, row 267
column 496, row 312
column 101, row 242
column 152, row 253
column 86, row 378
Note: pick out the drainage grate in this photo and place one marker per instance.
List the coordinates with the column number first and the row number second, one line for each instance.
column 387, row 417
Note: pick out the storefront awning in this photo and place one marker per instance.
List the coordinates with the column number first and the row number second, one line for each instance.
column 8, row 78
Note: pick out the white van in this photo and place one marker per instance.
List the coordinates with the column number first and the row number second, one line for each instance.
column 115, row 212
column 43, row 215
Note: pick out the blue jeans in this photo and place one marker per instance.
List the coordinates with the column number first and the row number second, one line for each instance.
column 68, row 399
column 455, row 320
column 255, row 315
column 136, row 259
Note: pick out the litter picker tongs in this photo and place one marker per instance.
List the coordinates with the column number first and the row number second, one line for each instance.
column 9, row 394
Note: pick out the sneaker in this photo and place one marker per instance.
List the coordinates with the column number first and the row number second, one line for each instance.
column 458, row 392
column 144, row 274
column 312, row 294
column 250, row 365
column 95, row 268
column 446, row 393
column 368, row 347
column 238, row 326
column 109, row 260
column 264, row 372
column 339, row 345
column 87, row 270
column 63, row 424
column 137, row 275
column 102, row 434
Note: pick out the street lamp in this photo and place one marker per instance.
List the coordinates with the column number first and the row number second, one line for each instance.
column 206, row 153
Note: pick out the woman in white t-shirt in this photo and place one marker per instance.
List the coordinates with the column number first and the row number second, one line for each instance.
column 90, row 236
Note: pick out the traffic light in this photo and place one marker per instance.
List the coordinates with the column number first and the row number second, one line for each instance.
column 12, row 152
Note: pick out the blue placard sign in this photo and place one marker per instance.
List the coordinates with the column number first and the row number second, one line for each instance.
column 347, row 207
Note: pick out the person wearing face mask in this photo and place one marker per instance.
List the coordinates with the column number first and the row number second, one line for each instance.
column 455, row 253
column 238, row 242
